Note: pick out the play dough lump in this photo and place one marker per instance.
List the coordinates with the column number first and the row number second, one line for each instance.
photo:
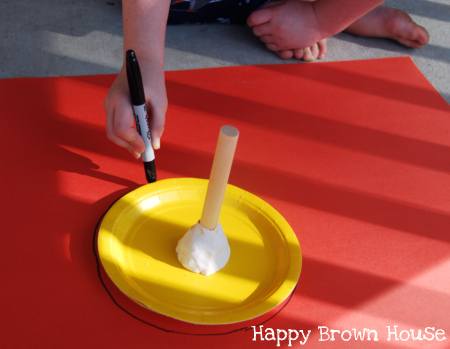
column 202, row 250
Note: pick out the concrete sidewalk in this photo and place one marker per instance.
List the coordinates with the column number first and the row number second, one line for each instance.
column 84, row 37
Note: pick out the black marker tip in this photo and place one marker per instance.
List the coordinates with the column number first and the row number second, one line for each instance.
column 150, row 171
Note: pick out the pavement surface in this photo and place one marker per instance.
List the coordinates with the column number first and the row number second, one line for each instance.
column 84, row 37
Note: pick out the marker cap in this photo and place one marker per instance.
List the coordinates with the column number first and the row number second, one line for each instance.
column 134, row 79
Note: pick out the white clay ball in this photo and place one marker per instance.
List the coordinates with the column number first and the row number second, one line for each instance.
column 202, row 250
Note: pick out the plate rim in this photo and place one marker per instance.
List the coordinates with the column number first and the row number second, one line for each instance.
column 275, row 298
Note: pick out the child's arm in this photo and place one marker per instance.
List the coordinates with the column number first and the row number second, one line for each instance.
column 144, row 27
column 296, row 24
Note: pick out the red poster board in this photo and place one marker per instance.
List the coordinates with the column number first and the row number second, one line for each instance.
column 354, row 155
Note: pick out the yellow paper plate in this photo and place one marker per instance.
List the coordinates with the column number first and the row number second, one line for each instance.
column 138, row 236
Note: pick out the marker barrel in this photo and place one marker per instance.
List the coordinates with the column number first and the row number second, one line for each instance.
column 142, row 126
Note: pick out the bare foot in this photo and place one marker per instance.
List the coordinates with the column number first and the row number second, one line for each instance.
column 387, row 22
column 309, row 54
column 287, row 28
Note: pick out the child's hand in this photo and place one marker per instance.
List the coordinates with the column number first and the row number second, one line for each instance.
column 120, row 121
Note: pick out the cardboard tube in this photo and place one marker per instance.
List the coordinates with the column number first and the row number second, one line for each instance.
column 218, row 179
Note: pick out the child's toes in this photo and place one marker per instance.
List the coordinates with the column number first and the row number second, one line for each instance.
column 308, row 55
column 299, row 53
column 286, row 54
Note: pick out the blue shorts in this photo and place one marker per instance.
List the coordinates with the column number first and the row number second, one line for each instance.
column 207, row 11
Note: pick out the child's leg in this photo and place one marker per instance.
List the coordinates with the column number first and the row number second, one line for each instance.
column 209, row 11
column 236, row 11
column 386, row 22
column 286, row 26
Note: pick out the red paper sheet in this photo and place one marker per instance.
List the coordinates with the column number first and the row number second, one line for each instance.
column 355, row 155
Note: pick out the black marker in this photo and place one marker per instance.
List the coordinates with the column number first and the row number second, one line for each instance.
column 140, row 114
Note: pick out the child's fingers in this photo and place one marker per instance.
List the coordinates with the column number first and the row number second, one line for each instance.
column 119, row 141
column 110, row 133
column 157, row 122
column 124, row 129
column 120, row 129
column 133, row 152
column 129, row 137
